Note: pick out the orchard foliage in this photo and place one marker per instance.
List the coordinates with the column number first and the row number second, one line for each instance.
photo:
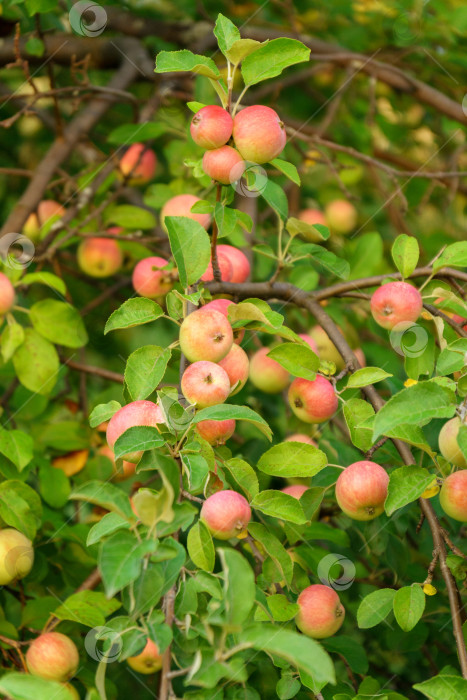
column 233, row 341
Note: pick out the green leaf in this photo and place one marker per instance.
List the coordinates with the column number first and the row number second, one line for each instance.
column 274, row 549
column 47, row 278
column 279, row 505
column 135, row 133
column 176, row 61
column 292, row 459
column 54, row 486
column 226, row 411
column 129, row 216
column 110, row 522
column 239, row 587
column 276, row 198
column 23, row 686
column 133, row 312
column 455, row 255
column 287, row 687
column 195, row 106
column 241, row 49
column 405, row 253
column 416, row 405
column 289, row 169
column 190, row 247
column 137, row 438
column 145, row 368
column 366, row 376
column 406, row 484
column 11, row 339
column 375, row 607
column 296, row 227
column 244, row 475
column 36, row 363
column 409, row 604
column 106, row 496
column 356, row 412
column 443, row 687
column 89, row 608
column 103, row 412
column 120, row 560
column 59, row 322
column 281, row 608
column 20, row 507
column 17, row 446
column 352, row 651
column 226, row 33
column 35, row 46
column 200, row 547
column 272, row 58
column 299, row 360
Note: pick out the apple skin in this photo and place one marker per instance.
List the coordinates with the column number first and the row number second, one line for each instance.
column 267, row 374
column 341, row 216
column 180, row 205
column 237, row 366
column 139, row 162
column 211, row 127
column 312, row 216
column 216, row 432
column 312, row 343
column 240, row 263
column 205, row 334
column 226, row 514
column 16, row 556
column 301, row 437
column 361, row 490
column 7, row 294
column 151, row 283
column 225, row 268
column 313, row 401
column 326, row 350
column 53, row 656
column 205, row 384
column 222, row 305
column 99, row 257
column 453, row 496
column 259, row 134
column 133, row 414
column 46, row 210
column 394, row 303
column 149, row 661
column 321, row 613
column 448, row 445
column 223, row 164
column 295, row 490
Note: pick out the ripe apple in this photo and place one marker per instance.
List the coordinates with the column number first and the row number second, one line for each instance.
column 180, row 205
column 139, row 163
column 53, row 656
column 223, row 164
column 240, row 263
column 216, row 432
column 7, row 294
column 341, row 216
column 129, row 416
column 448, row 445
column 149, row 280
column 321, row 613
column 226, row 514
column 149, row 661
column 225, row 268
column 72, row 462
column 267, row 374
column 301, row 437
column 453, row 496
column 295, row 490
column 394, row 303
column 128, row 468
column 222, row 305
column 361, row 490
column 312, row 343
column 211, row 127
column 205, row 334
column 99, row 257
column 312, row 217
column 16, row 556
column 313, row 401
column 237, row 366
column 205, row 384
column 326, row 350
column 47, row 212
column 258, row 133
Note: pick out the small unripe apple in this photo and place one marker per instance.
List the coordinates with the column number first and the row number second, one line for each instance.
column 225, row 268
column 312, row 217
column 205, row 384
column 448, row 445
column 394, row 303
column 240, row 263
column 129, row 416
column 53, row 656
column 72, row 692
column 216, row 432
column 267, row 374
column 453, row 496
column 295, row 490
column 7, row 294
column 139, row 163
column 149, row 280
column 259, row 134
column 341, row 216
column 237, row 366
column 313, row 400
column 301, row 437
column 321, row 613
column 180, row 205
column 205, row 334
column 16, row 556
column 47, row 211
column 211, row 127
column 362, row 489
column 326, row 350
column 223, row 164
column 226, row 514
column 222, row 305
column 308, row 339
column 72, row 462
column 99, row 257
column 149, row 661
